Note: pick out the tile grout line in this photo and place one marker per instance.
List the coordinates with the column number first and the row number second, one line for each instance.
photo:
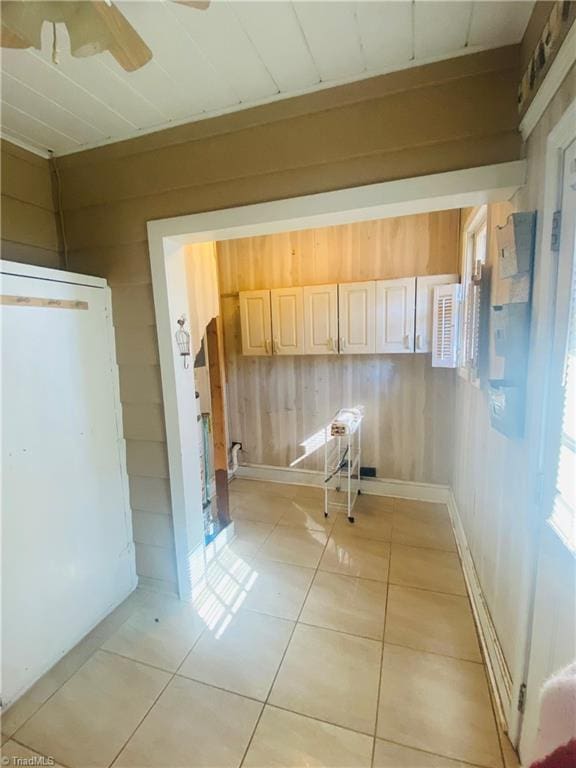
column 169, row 681
column 341, row 631
column 319, row 720
column 47, row 757
column 458, row 760
column 436, row 653
column 124, row 744
column 265, row 704
column 389, row 541
column 63, row 683
column 298, row 620
column 99, row 648
column 328, row 533
column 390, row 583
column 382, row 650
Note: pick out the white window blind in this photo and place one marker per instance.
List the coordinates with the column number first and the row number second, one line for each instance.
column 445, row 326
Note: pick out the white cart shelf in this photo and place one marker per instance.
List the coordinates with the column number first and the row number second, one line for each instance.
column 342, row 446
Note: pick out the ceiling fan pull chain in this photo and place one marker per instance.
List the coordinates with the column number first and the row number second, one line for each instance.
column 55, row 51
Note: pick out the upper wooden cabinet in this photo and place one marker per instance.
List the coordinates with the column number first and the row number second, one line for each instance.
column 321, row 319
column 376, row 316
column 424, row 308
column 395, row 304
column 287, row 321
column 256, row 322
column 357, row 316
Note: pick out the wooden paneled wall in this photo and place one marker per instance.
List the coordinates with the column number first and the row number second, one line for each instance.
column 275, row 403
column 494, row 494
column 29, row 223
column 445, row 116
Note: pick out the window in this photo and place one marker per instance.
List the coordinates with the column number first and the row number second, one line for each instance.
column 564, row 510
column 563, row 398
column 475, row 248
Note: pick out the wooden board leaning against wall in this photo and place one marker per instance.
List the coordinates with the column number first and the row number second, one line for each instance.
column 274, row 404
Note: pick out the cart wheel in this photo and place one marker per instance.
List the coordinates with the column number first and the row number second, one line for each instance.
column 351, row 519
column 325, row 514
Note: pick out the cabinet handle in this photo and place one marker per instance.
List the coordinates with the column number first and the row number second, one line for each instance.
column 275, row 346
column 267, row 346
column 417, row 341
column 341, row 343
column 407, row 341
column 331, row 344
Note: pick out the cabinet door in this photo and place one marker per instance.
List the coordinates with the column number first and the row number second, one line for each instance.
column 287, row 321
column 424, row 308
column 321, row 319
column 395, row 304
column 255, row 322
column 357, row 321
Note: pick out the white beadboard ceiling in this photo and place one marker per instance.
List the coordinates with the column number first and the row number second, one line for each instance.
column 234, row 55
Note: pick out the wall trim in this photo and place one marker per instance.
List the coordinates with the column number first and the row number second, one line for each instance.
column 559, row 68
column 11, row 139
column 401, row 489
column 421, row 194
column 498, row 672
column 434, row 192
column 309, row 91
column 102, row 616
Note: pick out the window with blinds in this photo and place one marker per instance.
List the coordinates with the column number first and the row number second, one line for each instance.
column 564, row 510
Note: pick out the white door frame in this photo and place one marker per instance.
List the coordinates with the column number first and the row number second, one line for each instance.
column 545, row 279
column 442, row 191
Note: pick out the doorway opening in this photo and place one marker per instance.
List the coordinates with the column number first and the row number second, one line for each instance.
column 185, row 283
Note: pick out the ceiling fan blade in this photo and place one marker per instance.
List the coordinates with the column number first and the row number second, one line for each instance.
column 21, row 24
column 199, row 5
column 95, row 26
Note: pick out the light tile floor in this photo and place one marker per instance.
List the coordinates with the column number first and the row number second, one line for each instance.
column 312, row 642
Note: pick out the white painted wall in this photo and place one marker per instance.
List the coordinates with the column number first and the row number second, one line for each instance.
column 68, row 556
column 171, row 298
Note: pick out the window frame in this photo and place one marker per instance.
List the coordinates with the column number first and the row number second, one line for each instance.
column 477, row 221
column 560, row 373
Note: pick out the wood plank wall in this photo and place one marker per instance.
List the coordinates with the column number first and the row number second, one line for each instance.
column 29, row 223
column 275, row 403
column 494, row 494
column 445, row 116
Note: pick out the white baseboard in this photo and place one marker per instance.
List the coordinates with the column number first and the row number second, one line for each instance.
column 10, row 701
column 402, row 489
column 498, row 672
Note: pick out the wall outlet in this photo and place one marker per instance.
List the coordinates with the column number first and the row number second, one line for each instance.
column 367, row 471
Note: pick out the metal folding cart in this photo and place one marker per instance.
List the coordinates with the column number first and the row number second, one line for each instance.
column 342, row 445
